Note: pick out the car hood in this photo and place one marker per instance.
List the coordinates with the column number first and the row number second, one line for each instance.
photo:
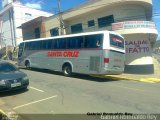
column 12, row 75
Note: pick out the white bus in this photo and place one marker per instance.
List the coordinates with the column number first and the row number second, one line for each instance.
column 101, row 52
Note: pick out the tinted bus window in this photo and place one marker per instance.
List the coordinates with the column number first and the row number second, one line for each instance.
column 37, row 45
column 93, row 41
column 71, row 43
column 74, row 42
column 20, row 51
column 34, row 46
column 47, row 44
column 27, row 45
column 56, row 45
column 62, row 43
column 116, row 41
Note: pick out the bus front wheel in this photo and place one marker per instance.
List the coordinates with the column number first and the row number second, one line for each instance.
column 27, row 64
column 67, row 70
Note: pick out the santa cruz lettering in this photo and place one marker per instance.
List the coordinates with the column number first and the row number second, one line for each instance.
column 63, row 54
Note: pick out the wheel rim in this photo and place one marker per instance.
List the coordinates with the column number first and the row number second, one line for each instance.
column 27, row 65
column 67, row 70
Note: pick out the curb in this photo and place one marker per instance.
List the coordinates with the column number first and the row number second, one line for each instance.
column 151, row 80
column 123, row 77
column 113, row 77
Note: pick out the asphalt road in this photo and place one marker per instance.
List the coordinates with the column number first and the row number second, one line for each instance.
column 52, row 93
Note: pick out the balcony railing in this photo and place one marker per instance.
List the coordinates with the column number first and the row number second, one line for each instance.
column 133, row 25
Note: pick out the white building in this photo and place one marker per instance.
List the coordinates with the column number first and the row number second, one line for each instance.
column 12, row 15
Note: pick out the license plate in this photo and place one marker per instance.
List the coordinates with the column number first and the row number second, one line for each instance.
column 15, row 84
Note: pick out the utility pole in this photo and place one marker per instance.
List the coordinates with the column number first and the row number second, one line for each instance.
column 62, row 27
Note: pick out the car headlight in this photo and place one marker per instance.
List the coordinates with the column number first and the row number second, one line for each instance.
column 25, row 78
column 2, row 82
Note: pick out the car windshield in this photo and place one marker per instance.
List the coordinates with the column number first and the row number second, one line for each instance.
column 5, row 67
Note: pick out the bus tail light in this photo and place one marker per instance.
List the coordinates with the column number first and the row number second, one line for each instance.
column 106, row 60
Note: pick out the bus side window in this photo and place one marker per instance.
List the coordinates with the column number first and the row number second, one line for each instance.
column 80, row 42
column 98, row 40
column 93, row 41
column 20, row 51
column 27, row 46
column 46, row 44
column 88, row 41
column 55, row 44
column 37, row 45
column 71, row 43
column 62, row 43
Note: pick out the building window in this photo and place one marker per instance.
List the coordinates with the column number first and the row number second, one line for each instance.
column 77, row 28
column 37, row 32
column 54, row 31
column 91, row 23
column 105, row 21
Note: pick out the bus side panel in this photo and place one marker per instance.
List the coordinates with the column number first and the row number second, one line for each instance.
column 88, row 62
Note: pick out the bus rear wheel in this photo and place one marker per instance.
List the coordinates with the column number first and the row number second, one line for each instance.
column 67, row 70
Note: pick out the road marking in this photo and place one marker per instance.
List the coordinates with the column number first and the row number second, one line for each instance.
column 1, row 111
column 24, row 105
column 36, row 89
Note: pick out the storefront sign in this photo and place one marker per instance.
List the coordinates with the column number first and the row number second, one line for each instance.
column 133, row 24
column 138, row 46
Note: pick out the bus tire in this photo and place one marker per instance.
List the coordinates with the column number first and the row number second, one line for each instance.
column 67, row 70
column 27, row 64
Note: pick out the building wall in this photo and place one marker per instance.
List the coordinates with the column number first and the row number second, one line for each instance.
column 24, row 14
column 29, row 30
column 6, row 38
column 98, row 4
column 122, row 10
column 12, row 16
column 50, row 24
column 120, row 13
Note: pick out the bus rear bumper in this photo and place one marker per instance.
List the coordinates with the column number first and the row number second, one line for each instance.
column 107, row 71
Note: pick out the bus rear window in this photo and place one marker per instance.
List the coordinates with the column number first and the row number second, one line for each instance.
column 116, row 41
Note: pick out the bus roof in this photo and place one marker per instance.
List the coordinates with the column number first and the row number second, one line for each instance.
column 73, row 35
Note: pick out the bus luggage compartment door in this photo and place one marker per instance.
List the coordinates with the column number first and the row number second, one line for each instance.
column 95, row 63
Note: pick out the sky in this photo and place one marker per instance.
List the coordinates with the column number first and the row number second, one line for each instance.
column 51, row 6
column 156, row 15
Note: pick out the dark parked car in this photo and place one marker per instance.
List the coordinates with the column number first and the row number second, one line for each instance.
column 11, row 78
